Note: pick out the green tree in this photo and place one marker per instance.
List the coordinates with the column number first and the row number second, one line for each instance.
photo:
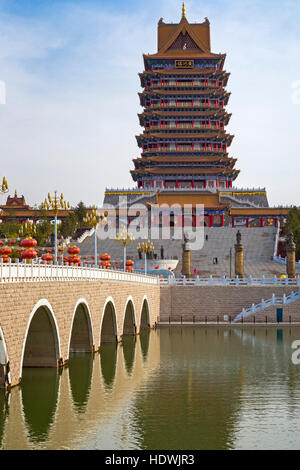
column 80, row 212
column 68, row 226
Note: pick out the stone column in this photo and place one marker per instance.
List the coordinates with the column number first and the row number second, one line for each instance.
column 290, row 256
column 239, row 256
column 186, row 258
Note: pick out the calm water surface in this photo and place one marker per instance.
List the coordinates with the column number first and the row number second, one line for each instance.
column 172, row 388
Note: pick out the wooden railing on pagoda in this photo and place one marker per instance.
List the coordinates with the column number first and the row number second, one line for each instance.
column 191, row 104
column 184, row 148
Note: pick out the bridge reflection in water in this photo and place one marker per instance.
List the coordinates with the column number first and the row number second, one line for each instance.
column 172, row 388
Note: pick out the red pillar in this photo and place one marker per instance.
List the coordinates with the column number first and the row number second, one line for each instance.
column 205, row 183
column 232, row 222
column 193, row 184
column 247, row 222
column 211, row 220
column 176, row 184
column 166, row 220
column 262, row 222
column 276, row 222
column 222, row 220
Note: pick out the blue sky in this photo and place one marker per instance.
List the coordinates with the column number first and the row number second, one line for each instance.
column 71, row 74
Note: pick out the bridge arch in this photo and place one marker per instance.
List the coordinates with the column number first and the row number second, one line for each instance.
column 129, row 323
column 108, row 327
column 81, row 330
column 3, row 360
column 145, row 314
column 41, row 346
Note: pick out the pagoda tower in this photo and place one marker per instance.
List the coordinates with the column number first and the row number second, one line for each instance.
column 184, row 144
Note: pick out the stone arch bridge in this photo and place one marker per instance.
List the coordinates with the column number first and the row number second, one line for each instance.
column 44, row 320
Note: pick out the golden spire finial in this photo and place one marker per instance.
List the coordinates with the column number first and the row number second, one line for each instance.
column 16, row 194
column 183, row 10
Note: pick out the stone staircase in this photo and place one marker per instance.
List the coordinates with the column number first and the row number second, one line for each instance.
column 258, row 246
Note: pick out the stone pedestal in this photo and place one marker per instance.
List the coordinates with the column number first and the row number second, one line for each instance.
column 186, row 257
column 239, row 260
column 239, row 257
column 290, row 257
column 186, row 263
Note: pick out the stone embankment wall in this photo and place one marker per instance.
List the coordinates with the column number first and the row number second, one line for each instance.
column 211, row 303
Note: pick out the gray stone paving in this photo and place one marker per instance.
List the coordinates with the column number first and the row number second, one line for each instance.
column 258, row 251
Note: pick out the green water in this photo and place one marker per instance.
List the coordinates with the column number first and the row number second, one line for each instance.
column 172, row 388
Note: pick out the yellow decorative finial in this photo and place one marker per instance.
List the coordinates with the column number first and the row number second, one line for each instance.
column 183, row 10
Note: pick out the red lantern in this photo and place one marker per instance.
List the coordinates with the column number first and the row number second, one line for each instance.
column 47, row 257
column 28, row 254
column 5, row 252
column 73, row 250
column 28, row 243
column 156, row 267
column 74, row 259
column 12, row 242
column 129, row 264
column 49, row 250
column 105, row 257
column 1, row 243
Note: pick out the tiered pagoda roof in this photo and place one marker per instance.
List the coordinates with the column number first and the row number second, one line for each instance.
column 184, row 142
